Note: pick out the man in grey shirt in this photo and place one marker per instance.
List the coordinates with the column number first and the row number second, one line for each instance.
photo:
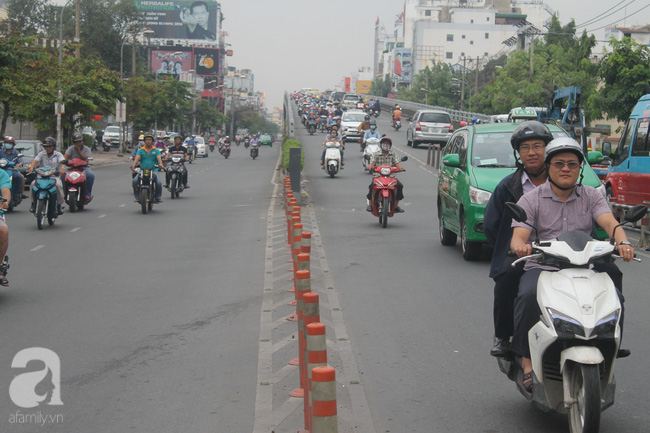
column 78, row 150
column 49, row 158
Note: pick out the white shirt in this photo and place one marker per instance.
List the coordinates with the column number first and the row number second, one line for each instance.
column 526, row 183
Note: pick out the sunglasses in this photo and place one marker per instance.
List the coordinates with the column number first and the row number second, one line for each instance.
column 571, row 164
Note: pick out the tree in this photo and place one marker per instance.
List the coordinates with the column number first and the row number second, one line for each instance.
column 439, row 84
column 380, row 86
column 625, row 72
column 30, row 17
column 208, row 117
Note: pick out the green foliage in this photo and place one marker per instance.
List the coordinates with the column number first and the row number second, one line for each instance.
column 285, row 153
column 208, row 117
column 439, row 81
column 380, row 86
column 625, row 72
column 255, row 122
column 30, row 17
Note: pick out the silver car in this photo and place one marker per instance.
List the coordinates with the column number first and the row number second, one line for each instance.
column 429, row 126
column 350, row 122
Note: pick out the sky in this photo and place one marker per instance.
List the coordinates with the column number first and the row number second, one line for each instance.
column 291, row 44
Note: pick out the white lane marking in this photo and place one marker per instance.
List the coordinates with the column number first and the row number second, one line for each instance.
column 75, row 229
column 38, row 247
column 122, row 205
column 102, row 215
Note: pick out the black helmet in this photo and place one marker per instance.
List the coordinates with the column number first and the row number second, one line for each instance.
column 49, row 141
column 529, row 130
column 147, row 134
column 367, row 117
column 77, row 137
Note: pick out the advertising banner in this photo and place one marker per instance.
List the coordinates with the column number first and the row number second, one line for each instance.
column 181, row 19
column 207, row 61
column 347, row 84
column 402, row 64
column 170, row 63
column 363, row 86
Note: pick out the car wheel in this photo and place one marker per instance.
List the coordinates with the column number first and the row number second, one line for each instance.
column 408, row 142
column 471, row 250
column 415, row 144
column 447, row 237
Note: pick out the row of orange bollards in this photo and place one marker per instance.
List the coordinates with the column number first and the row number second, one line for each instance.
column 317, row 380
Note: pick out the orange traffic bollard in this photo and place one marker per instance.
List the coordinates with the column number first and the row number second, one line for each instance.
column 303, row 286
column 305, row 247
column 323, row 395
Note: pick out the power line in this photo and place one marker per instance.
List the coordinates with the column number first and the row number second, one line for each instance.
column 593, row 20
column 634, row 13
column 599, row 15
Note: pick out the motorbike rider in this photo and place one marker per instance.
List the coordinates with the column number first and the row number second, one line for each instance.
column 5, row 190
column 362, row 128
column 49, row 158
column 333, row 136
column 10, row 154
column 191, row 144
column 79, row 150
column 559, row 205
column 160, row 144
column 139, row 146
column 385, row 157
column 397, row 114
column 371, row 133
column 149, row 158
column 376, row 106
column 178, row 148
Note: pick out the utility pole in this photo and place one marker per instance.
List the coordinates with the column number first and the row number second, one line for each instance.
column 133, row 59
column 532, row 53
column 462, row 88
column 77, row 39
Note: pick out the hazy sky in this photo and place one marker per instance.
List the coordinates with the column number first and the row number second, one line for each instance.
column 290, row 44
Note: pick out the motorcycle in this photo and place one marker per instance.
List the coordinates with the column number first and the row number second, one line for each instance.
column 45, row 196
column 10, row 167
column 191, row 150
column 74, row 184
column 176, row 171
column 372, row 147
column 211, row 145
column 576, row 341
column 4, row 266
column 254, row 151
column 225, row 150
column 383, row 199
column 247, row 142
column 311, row 125
column 332, row 158
column 146, row 188
column 397, row 124
column 322, row 123
column 106, row 145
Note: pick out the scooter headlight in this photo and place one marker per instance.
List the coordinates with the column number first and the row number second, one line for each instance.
column 75, row 175
column 565, row 326
column 385, row 171
column 606, row 327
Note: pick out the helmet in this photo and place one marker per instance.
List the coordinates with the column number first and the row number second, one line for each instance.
column 367, row 117
column 49, row 141
column 397, row 106
column 386, row 143
column 160, row 136
column 563, row 144
column 148, row 134
column 463, row 123
column 474, row 119
column 9, row 139
column 141, row 137
column 166, row 136
column 530, row 130
column 77, row 137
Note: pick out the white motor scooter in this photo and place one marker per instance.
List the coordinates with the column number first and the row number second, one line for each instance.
column 332, row 157
column 372, row 147
column 574, row 345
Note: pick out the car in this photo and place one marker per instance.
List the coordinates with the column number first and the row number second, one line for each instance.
column 201, row 149
column 429, row 126
column 266, row 140
column 349, row 101
column 29, row 149
column 474, row 161
column 114, row 134
column 350, row 122
column 87, row 130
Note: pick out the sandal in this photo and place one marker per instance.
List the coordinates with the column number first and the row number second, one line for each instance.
column 3, row 281
column 527, row 381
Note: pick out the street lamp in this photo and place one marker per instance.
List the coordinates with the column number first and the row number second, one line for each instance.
column 426, row 95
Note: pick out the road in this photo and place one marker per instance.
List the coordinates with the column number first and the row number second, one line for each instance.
column 158, row 318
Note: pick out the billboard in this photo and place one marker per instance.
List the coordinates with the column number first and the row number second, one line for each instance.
column 170, row 63
column 180, row 19
column 346, row 88
column 207, row 61
column 363, row 86
column 402, row 64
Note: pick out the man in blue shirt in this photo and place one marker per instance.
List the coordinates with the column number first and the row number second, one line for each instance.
column 10, row 154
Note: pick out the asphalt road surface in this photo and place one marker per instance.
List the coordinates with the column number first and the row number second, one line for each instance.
column 156, row 318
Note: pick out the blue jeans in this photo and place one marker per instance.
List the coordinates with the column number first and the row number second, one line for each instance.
column 90, row 180
column 156, row 179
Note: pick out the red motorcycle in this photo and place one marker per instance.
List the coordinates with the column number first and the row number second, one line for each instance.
column 383, row 199
column 74, row 184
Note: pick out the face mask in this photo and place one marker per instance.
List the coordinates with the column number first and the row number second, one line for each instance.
column 8, row 146
column 373, row 127
column 385, row 147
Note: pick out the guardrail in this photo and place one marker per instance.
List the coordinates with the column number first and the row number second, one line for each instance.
column 289, row 128
column 619, row 211
column 409, row 108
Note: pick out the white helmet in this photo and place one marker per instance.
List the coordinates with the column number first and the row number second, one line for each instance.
column 563, row 144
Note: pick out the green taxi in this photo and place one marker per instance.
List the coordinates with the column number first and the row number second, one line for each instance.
column 474, row 161
column 266, row 140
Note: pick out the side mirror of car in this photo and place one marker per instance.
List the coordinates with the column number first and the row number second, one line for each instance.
column 607, row 149
column 516, row 212
column 595, row 157
column 451, row 160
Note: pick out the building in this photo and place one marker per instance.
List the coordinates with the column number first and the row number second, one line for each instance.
column 640, row 35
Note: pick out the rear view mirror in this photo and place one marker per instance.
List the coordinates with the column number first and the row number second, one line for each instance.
column 607, row 149
column 635, row 213
column 595, row 157
column 516, row 212
column 451, row 160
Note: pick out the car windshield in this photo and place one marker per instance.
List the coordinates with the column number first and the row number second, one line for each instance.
column 113, row 129
column 353, row 117
column 492, row 150
column 26, row 148
column 435, row 118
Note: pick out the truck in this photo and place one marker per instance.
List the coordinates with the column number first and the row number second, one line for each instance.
column 628, row 176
